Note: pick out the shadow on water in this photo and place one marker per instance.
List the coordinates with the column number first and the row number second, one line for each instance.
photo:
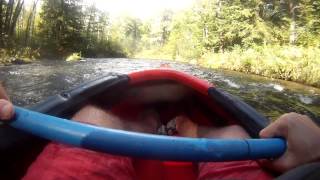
column 30, row 83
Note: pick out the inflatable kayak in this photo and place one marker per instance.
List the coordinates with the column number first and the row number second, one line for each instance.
column 169, row 92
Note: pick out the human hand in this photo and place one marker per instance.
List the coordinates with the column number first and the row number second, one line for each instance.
column 302, row 136
column 6, row 108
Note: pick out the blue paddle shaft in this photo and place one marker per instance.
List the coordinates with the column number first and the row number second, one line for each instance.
column 144, row 145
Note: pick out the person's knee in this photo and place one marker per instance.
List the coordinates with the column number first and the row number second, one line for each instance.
column 233, row 131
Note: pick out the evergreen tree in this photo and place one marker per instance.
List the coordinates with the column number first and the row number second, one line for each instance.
column 9, row 14
column 60, row 27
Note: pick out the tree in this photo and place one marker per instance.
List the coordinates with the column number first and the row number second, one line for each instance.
column 130, row 34
column 309, row 23
column 61, row 27
column 186, row 36
column 9, row 13
column 97, row 32
column 165, row 25
column 1, row 21
column 226, row 24
column 30, row 23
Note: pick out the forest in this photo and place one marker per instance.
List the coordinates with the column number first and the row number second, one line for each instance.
column 274, row 38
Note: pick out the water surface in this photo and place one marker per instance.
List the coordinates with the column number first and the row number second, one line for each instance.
column 30, row 83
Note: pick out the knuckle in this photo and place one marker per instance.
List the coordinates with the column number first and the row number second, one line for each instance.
column 291, row 117
column 284, row 118
column 291, row 114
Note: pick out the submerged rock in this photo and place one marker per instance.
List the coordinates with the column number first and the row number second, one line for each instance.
column 20, row 61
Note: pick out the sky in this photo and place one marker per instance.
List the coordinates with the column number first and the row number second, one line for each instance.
column 143, row 9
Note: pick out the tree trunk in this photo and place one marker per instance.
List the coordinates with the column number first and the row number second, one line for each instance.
column 30, row 22
column 218, row 14
column 8, row 16
column 1, row 23
column 15, row 16
column 293, row 5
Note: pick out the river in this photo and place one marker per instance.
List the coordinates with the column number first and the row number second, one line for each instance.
column 30, row 83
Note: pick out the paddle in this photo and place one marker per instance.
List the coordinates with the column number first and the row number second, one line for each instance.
column 144, row 145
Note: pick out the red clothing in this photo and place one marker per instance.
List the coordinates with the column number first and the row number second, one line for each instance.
column 59, row 161
column 232, row 170
column 65, row 162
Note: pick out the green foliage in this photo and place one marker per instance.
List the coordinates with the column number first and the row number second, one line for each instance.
column 22, row 55
column 5, row 57
column 309, row 32
column 278, row 39
column 60, row 27
column 10, row 11
column 97, row 39
column 185, row 40
column 226, row 26
column 282, row 62
column 128, row 32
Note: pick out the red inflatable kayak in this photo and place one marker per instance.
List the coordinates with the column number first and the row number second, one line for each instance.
column 169, row 92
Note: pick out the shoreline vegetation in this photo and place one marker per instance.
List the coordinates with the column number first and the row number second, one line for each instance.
column 276, row 39
column 290, row 63
column 18, row 56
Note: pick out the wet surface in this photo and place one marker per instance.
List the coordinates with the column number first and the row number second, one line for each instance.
column 30, row 83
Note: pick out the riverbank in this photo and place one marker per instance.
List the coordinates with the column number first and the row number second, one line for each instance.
column 291, row 63
column 18, row 56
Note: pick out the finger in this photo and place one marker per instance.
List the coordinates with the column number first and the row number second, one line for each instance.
column 3, row 94
column 277, row 128
column 283, row 163
column 6, row 110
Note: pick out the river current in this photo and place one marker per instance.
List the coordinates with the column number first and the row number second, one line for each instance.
column 31, row 83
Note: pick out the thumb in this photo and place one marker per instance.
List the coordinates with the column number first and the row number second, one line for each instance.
column 277, row 128
column 6, row 110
